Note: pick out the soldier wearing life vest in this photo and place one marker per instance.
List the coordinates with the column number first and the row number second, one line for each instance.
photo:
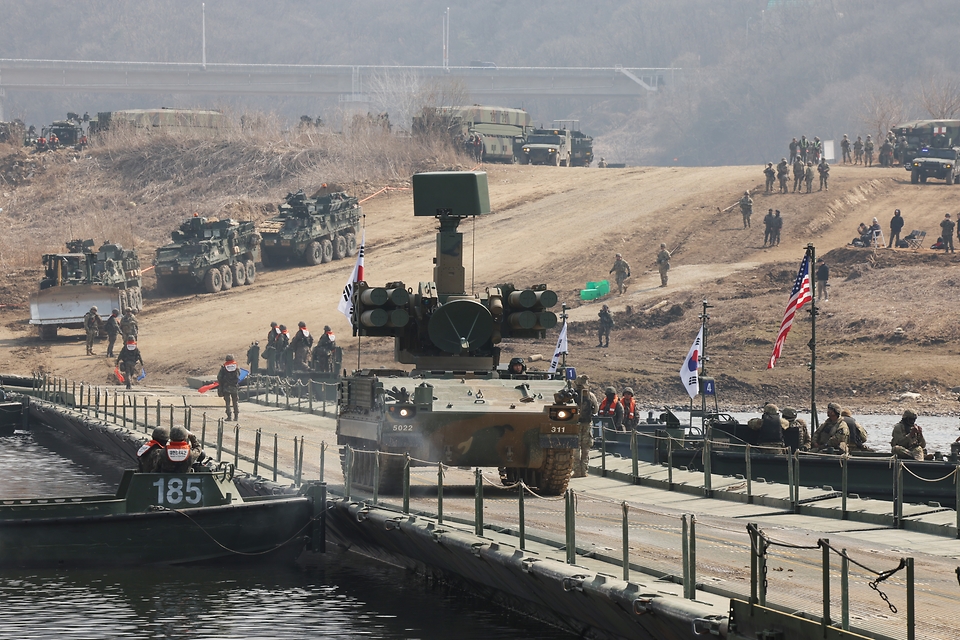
column 323, row 353
column 178, row 456
column 588, row 405
column 610, row 407
column 630, row 417
column 148, row 456
column 228, row 385
column 270, row 351
column 127, row 361
column 300, row 345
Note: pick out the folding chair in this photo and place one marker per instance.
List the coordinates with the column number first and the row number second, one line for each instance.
column 915, row 239
column 878, row 240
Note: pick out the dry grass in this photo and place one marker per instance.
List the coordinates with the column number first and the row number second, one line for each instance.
column 133, row 186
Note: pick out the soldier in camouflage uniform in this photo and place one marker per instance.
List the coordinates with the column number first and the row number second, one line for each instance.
column 796, row 435
column 128, row 326
column 868, row 152
column 622, row 268
column 858, row 151
column 845, row 148
column 783, row 175
column 663, row 263
column 605, row 325
column 833, row 433
column 91, row 324
column 908, row 441
column 300, row 345
column 808, row 177
column 228, row 385
column 746, row 209
column 588, row 408
column 771, row 175
column 797, row 175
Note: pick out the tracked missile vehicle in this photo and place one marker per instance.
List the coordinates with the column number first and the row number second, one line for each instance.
column 455, row 406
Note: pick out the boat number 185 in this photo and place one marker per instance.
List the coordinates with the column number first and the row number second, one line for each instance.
column 177, row 491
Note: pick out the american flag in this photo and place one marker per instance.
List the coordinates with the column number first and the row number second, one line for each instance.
column 798, row 297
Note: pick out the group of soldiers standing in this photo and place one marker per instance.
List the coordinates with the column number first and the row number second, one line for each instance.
column 116, row 325
column 891, row 149
column 284, row 354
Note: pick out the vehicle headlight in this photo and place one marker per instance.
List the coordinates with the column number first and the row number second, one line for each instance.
column 949, row 165
column 402, row 411
column 553, row 150
column 563, row 414
column 526, row 149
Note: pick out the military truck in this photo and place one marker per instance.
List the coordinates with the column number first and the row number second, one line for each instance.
column 939, row 134
column 548, row 146
column 581, row 145
column 943, row 164
column 69, row 133
column 212, row 254
column 454, row 406
column 502, row 130
column 73, row 282
column 312, row 230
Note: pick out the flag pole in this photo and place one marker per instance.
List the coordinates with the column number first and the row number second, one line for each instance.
column 704, row 427
column 814, row 311
column 563, row 316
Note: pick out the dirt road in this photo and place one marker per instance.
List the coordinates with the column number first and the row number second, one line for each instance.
column 561, row 226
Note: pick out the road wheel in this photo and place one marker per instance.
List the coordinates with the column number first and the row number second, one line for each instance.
column 239, row 272
column 213, row 280
column 326, row 250
column 266, row 259
column 47, row 331
column 529, row 160
column 914, row 176
column 923, row 179
column 251, row 268
column 351, row 244
column 227, row 275
column 314, row 254
column 556, row 159
column 555, row 472
column 339, row 247
column 950, row 177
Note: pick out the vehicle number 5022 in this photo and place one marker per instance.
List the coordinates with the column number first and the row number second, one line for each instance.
column 176, row 491
column 403, row 427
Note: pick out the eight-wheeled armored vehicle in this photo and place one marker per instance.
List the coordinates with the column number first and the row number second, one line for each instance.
column 455, row 406
column 314, row 230
column 213, row 254
column 82, row 278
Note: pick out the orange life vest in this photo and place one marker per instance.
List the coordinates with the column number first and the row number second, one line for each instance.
column 147, row 447
column 629, row 407
column 178, row 451
column 607, row 407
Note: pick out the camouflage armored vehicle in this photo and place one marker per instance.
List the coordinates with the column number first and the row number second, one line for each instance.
column 943, row 164
column 213, row 254
column 455, row 406
column 82, row 278
column 314, row 230
column 69, row 133
column 502, row 130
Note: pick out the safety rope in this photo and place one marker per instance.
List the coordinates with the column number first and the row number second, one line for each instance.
column 951, row 474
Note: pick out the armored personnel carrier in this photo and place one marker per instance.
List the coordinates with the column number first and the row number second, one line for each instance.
column 314, row 230
column 82, row 278
column 213, row 254
column 455, row 406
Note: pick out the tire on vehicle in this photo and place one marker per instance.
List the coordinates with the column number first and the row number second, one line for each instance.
column 914, row 176
column 351, row 244
column 339, row 247
column 326, row 250
column 251, row 271
column 213, row 280
column 227, row 274
column 239, row 272
column 314, row 253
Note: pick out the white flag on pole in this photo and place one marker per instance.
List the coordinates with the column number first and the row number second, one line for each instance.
column 689, row 373
column 346, row 300
column 561, row 349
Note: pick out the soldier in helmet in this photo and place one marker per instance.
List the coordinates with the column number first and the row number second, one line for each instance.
column 796, row 435
column 517, row 368
column 91, row 324
column 771, row 175
column 868, row 152
column 833, row 433
column 746, row 209
column 301, row 345
column 253, row 357
column 663, row 263
column 606, row 324
column 284, row 352
column 588, row 408
column 179, row 453
column 148, row 456
column 622, row 269
column 630, row 417
column 113, row 328
column 783, row 175
column 128, row 325
column 325, row 351
column 845, row 148
column 127, row 361
column 808, row 177
column 270, row 351
column 772, row 427
column 908, row 441
column 228, row 385
column 797, row 175
column 858, row 151
column 611, row 407
column 602, row 164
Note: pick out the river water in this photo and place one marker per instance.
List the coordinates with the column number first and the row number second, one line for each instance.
column 348, row 597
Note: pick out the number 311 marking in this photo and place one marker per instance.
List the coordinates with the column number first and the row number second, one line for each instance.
column 177, row 493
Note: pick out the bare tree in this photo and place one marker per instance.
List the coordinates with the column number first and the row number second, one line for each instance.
column 940, row 96
column 404, row 94
column 882, row 109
